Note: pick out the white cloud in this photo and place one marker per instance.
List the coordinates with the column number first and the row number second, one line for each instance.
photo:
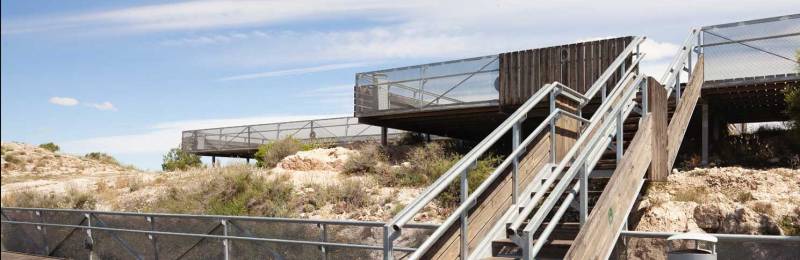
column 64, row 101
column 296, row 71
column 655, row 50
column 103, row 106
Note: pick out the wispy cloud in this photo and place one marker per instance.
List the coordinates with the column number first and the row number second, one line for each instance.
column 196, row 15
column 103, row 106
column 64, row 101
column 297, row 71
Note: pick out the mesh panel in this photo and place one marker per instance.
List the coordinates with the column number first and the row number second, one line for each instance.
column 751, row 49
column 656, row 248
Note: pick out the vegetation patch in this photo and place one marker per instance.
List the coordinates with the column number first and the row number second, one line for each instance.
column 50, row 147
column 72, row 199
column 101, row 157
column 177, row 159
column 237, row 190
column 690, row 194
column 270, row 154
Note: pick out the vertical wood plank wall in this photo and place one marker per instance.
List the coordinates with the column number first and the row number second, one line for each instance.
column 576, row 65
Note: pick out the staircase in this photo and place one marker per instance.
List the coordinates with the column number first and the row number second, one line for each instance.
column 540, row 201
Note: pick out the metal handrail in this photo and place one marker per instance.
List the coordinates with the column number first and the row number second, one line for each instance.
column 570, row 174
column 670, row 79
column 513, row 120
column 596, row 119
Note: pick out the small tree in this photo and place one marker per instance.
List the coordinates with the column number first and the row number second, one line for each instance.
column 50, row 147
column 177, row 159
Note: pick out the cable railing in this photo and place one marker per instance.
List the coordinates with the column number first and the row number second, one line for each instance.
column 175, row 236
column 513, row 123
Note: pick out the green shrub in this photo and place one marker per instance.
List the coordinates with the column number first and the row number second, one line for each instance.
column 102, row 157
column 50, row 147
column 348, row 195
column 72, row 199
column 177, row 159
column 270, row 154
column 235, row 191
column 12, row 159
column 367, row 161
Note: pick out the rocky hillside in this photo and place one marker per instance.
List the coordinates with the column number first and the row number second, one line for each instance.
column 721, row 200
column 308, row 184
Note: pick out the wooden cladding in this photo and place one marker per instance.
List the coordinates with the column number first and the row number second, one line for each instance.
column 577, row 65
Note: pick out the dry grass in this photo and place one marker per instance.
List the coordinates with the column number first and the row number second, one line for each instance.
column 72, row 199
column 367, row 161
column 690, row 194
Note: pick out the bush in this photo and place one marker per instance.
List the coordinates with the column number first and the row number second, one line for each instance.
column 72, row 199
column 177, row 159
column 102, row 157
column 270, row 154
column 50, row 147
column 367, row 161
column 348, row 195
column 237, row 190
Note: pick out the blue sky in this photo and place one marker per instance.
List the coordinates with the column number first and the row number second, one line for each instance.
column 126, row 77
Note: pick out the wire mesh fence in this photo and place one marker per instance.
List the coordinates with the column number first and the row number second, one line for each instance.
column 465, row 82
column 79, row 234
column 656, row 248
column 756, row 48
column 337, row 130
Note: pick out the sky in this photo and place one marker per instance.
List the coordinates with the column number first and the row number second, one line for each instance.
column 126, row 77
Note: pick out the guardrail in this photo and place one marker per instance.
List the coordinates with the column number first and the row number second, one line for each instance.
column 646, row 244
column 340, row 130
column 513, row 124
column 175, row 236
column 463, row 82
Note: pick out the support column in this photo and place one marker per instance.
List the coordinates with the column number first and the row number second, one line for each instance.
column 704, row 134
column 213, row 161
column 384, row 136
column 659, row 168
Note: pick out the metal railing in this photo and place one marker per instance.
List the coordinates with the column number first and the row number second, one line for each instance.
column 339, row 130
column 647, row 245
column 464, row 82
column 81, row 233
column 460, row 169
column 754, row 48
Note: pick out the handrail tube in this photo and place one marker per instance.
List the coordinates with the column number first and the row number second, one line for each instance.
column 617, row 62
column 168, row 233
column 552, row 225
column 548, row 204
column 428, row 78
column 465, row 205
column 677, row 63
column 721, row 237
column 511, row 230
column 240, row 218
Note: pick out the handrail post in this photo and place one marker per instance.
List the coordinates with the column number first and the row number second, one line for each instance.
column 153, row 239
column 620, row 139
column 89, row 243
column 553, row 127
column 388, row 242
column 225, row 242
column 515, row 173
column 323, row 235
column 583, row 198
column 464, row 221
column 43, row 233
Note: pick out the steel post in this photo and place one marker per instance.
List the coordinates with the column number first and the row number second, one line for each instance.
column 463, row 250
column 89, row 239
column 583, row 195
column 153, row 239
column 323, row 236
column 553, row 128
column 225, row 242
column 515, row 172
column 43, row 233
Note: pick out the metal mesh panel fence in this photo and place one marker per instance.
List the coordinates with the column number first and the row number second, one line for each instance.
column 656, row 248
column 756, row 48
column 336, row 130
column 460, row 82
column 118, row 235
